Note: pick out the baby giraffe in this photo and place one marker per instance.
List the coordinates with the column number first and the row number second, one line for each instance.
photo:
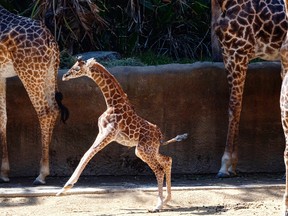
column 120, row 123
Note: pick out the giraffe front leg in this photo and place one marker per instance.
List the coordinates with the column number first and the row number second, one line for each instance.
column 285, row 197
column 5, row 168
column 285, row 128
column 79, row 169
column 284, row 119
column 102, row 140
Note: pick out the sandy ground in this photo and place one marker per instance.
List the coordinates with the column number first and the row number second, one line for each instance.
column 244, row 198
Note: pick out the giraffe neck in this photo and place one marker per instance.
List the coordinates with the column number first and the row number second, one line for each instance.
column 111, row 89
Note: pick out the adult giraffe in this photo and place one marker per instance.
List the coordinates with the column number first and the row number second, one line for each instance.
column 29, row 51
column 247, row 29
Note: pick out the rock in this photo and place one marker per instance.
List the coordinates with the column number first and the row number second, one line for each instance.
column 100, row 55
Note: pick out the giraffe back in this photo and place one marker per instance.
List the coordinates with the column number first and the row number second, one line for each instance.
column 26, row 46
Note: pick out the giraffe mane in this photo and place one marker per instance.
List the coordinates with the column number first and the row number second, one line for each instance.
column 91, row 61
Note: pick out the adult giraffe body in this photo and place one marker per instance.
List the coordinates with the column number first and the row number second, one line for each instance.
column 29, row 51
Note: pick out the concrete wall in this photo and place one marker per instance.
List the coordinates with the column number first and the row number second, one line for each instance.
column 190, row 98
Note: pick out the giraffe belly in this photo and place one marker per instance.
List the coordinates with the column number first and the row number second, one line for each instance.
column 272, row 56
column 267, row 52
column 7, row 69
column 124, row 140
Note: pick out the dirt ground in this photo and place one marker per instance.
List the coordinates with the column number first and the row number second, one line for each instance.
column 243, row 198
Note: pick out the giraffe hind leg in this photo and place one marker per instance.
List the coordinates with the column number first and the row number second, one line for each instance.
column 42, row 97
column 47, row 123
column 161, row 166
column 166, row 162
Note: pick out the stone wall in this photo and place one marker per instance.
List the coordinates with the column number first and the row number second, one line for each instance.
column 190, row 98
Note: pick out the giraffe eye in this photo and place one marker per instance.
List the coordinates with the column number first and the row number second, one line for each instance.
column 77, row 68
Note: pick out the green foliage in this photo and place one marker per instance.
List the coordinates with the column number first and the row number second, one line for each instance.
column 15, row 6
column 122, row 62
column 72, row 22
column 179, row 29
column 172, row 31
column 66, row 60
column 150, row 58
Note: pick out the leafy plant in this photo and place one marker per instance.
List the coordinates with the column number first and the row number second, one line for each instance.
column 73, row 22
column 66, row 59
column 150, row 58
column 178, row 29
column 122, row 62
column 172, row 29
column 14, row 6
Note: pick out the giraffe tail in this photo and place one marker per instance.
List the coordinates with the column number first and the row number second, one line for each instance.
column 178, row 138
column 64, row 110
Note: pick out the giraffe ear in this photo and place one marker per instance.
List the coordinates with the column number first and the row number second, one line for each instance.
column 80, row 60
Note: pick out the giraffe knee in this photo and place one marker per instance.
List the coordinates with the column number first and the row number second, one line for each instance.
column 165, row 161
column 286, row 154
column 169, row 161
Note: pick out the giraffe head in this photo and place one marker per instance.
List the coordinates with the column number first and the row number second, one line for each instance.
column 79, row 69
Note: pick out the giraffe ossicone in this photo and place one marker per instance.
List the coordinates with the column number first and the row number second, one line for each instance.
column 28, row 50
column 120, row 123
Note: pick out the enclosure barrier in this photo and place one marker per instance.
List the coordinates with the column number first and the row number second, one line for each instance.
column 180, row 98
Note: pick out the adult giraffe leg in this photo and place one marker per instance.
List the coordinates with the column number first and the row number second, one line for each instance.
column 47, row 122
column 284, row 114
column 3, row 124
column 284, row 118
column 42, row 96
column 285, row 128
column 236, row 81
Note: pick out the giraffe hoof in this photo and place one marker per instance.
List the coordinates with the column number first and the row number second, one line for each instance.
column 154, row 211
column 232, row 174
column 60, row 192
column 64, row 189
column 4, row 180
column 226, row 175
column 39, row 182
column 223, row 175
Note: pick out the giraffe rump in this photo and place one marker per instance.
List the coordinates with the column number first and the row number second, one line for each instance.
column 63, row 110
